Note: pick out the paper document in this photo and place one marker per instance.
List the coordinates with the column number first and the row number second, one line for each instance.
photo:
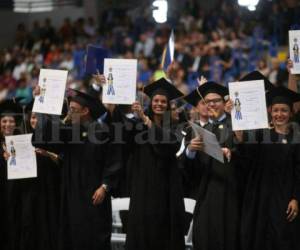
column 52, row 91
column 249, row 105
column 22, row 161
column 211, row 144
column 294, row 45
column 121, row 75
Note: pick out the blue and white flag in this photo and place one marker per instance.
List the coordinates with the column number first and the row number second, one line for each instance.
column 168, row 54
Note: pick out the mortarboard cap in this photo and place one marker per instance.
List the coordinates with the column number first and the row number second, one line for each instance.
column 94, row 105
column 256, row 75
column 95, row 59
column 162, row 87
column 194, row 97
column 10, row 107
column 210, row 87
column 282, row 95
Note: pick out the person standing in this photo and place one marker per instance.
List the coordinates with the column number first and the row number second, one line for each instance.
column 90, row 165
column 156, row 212
column 271, row 202
column 217, row 212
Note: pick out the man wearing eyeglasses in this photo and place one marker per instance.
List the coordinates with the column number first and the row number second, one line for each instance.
column 216, row 216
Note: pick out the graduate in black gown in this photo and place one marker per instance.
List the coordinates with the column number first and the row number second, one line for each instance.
column 10, row 114
column 156, row 213
column 32, row 213
column 270, row 217
column 217, row 212
column 192, row 173
column 89, row 170
column 46, row 200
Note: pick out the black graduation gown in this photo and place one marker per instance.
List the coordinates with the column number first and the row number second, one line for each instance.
column 273, row 180
column 217, row 211
column 86, row 165
column 3, row 201
column 47, row 203
column 32, row 209
column 156, row 213
column 191, row 172
column 21, row 213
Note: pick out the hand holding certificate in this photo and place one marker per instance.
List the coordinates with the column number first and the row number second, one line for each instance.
column 249, row 105
column 211, row 144
column 21, row 163
column 120, row 87
column 52, row 85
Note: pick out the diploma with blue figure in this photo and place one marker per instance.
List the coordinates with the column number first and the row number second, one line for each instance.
column 21, row 163
column 294, row 51
column 120, row 86
column 52, row 91
column 249, row 109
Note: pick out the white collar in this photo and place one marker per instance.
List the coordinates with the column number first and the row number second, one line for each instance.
column 221, row 118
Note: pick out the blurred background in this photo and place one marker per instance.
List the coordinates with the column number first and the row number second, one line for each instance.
column 219, row 39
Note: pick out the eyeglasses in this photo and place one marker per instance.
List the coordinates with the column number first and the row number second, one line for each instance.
column 214, row 101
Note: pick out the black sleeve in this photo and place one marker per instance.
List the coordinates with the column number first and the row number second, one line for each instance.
column 50, row 133
column 296, row 193
column 93, row 92
column 165, row 142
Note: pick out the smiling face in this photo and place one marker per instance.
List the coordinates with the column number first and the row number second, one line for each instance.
column 280, row 114
column 215, row 105
column 7, row 125
column 159, row 104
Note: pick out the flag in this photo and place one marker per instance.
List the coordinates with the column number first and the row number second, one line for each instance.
column 95, row 59
column 168, row 54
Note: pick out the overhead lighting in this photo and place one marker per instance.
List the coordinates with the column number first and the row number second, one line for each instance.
column 160, row 13
column 251, row 7
column 30, row 6
column 250, row 4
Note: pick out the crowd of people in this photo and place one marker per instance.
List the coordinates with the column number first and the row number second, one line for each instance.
column 149, row 151
column 222, row 44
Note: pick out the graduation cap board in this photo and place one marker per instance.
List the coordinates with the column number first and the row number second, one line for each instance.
column 10, row 107
column 94, row 105
column 95, row 59
column 282, row 95
column 256, row 75
column 200, row 92
column 162, row 87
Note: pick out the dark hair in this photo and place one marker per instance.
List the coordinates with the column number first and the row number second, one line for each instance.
column 149, row 110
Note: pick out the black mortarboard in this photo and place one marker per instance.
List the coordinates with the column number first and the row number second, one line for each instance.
column 162, row 87
column 194, row 97
column 94, row 105
column 282, row 95
column 10, row 107
column 256, row 75
column 209, row 87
